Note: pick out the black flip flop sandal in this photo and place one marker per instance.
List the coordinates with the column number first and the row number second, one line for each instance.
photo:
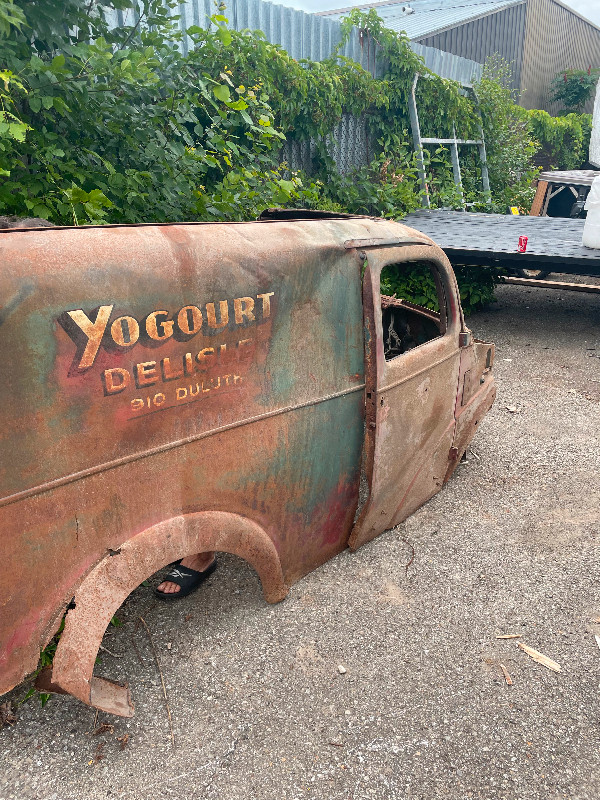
column 187, row 578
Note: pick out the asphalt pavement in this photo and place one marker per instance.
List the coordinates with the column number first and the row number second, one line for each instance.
column 375, row 679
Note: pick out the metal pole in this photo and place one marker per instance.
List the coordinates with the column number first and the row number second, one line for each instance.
column 418, row 145
column 456, row 168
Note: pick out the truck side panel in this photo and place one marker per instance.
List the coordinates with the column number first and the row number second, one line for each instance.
column 149, row 372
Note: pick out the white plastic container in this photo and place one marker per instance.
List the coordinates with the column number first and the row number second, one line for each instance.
column 591, row 228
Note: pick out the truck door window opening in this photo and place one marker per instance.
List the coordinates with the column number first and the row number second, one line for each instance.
column 405, row 324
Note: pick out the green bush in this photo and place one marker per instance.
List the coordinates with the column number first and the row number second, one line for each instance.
column 509, row 140
column 563, row 141
column 104, row 125
column 574, row 87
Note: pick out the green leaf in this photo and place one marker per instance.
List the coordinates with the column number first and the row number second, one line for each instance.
column 287, row 186
column 35, row 103
column 224, row 35
column 221, row 92
column 17, row 131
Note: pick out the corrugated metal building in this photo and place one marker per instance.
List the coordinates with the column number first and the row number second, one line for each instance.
column 538, row 37
column 304, row 35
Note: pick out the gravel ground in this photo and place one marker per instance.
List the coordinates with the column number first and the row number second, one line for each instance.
column 260, row 708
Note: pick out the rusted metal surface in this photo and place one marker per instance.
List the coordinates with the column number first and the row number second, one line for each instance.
column 411, row 413
column 173, row 389
column 109, row 583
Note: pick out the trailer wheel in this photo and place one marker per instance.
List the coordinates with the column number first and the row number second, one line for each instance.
column 537, row 274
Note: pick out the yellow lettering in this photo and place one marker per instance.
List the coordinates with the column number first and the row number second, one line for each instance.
column 266, row 303
column 245, row 348
column 153, row 325
column 243, row 307
column 181, row 393
column 125, row 331
column 137, row 404
column 92, row 331
column 189, row 320
column 145, row 374
column 115, row 380
column 167, row 370
column 205, row 358
column 223, row 312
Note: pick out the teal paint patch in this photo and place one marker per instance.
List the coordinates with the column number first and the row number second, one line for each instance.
column 317, row 339
column 317, row 448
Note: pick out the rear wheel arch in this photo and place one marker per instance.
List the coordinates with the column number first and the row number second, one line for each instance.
column 107, row 585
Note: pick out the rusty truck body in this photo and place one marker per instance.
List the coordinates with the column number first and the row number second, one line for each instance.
column 179, row 388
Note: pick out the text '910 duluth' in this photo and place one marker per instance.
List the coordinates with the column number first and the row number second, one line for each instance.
column 91, row 332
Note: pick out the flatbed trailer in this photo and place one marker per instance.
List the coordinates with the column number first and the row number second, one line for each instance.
column 492, row 240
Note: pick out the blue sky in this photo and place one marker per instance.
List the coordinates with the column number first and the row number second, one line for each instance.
column 588, row 8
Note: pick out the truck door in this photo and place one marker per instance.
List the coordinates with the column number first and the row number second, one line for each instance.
column 413, row 362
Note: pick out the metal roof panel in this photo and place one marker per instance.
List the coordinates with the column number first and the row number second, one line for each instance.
column 428, row 16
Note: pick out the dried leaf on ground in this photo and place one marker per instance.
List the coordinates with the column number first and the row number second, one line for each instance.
column 597, row 638
column 540, row 657
column 6, row 715
column 105, row 727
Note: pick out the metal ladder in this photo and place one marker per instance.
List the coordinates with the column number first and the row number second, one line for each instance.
column 454, row 143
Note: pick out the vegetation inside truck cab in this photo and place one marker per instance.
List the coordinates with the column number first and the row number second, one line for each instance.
column 416, row 284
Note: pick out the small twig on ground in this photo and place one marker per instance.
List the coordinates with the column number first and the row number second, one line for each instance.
column 412, row 558
column 110, row 652
column 162, row 679
column 95, row 721
column 539, row 657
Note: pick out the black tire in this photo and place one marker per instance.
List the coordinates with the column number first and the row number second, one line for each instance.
column 532, row 274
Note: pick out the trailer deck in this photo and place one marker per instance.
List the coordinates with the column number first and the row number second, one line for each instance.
column 491, row 240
